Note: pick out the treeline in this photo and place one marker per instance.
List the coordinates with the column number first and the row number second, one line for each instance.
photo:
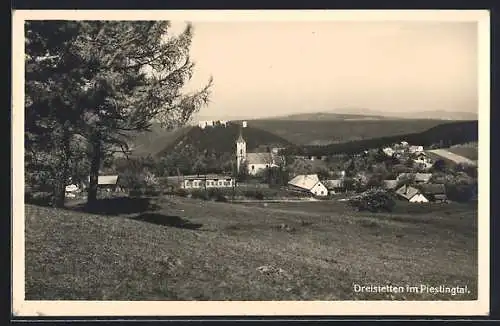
column 446, row 134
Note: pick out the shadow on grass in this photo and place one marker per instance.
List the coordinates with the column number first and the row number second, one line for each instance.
column 118, row 206
column 167, row 220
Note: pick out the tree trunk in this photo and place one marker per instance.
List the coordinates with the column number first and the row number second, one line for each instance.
column 94, row 172
column 59, row 192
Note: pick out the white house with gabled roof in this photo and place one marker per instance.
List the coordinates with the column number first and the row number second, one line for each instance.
column 309, row 183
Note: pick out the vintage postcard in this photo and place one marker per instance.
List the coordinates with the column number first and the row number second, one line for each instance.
column 289, row 162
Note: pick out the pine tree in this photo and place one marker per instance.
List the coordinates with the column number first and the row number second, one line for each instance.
column 112, row 80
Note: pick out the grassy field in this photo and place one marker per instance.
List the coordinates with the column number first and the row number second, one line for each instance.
column 469, row 151
column 452, row 156
column 186, row 249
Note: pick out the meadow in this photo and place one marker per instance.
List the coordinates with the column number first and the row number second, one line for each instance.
column 177, row 248
column 469, row 150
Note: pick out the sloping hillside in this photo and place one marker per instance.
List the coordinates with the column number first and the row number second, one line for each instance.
column 154, row 141
column 194, row 250
column 324, row 132
column 468, row 150
column 445, row 134
column 222, row 139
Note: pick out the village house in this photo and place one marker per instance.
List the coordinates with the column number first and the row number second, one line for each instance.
column 390, row 184
column 388, row 151
column 398, row 154
column 415, row 177
column 71, row 191
column 415, row 149
column 434, row 192
column 308, row 183
column 423, row 177
column 334, row 185
column 276, row 150
column 107, row 182
column 411, row 194
column 424, row 166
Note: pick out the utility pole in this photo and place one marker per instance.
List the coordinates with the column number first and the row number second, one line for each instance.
column 233, row 175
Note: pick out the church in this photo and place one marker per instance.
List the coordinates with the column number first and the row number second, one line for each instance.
column 254, row 161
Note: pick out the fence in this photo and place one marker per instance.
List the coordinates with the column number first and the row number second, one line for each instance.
column 252, row 185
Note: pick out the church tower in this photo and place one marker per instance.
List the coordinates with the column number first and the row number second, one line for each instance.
column 241, row 151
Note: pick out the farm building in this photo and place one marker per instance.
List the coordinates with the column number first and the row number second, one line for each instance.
column 416, row 177
column 422, row 161
column 388, row 151
column 276, row 150
column 308, row 183
column 71, row 191
column 416, row 149
column 108, row 182
column 205, row 181
column 334, row 185
column 422, row 177
column 420, row 155
column 390, row 184
column 434, row 192
column 411, row 194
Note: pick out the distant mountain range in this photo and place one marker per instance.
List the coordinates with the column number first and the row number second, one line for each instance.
column 368, row 114
column 320, row 128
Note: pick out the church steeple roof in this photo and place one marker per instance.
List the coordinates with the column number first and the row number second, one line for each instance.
column 240, row 137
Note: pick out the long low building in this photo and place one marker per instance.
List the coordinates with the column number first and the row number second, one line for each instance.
column 203, row 181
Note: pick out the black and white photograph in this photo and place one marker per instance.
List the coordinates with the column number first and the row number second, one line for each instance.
column 203, row 159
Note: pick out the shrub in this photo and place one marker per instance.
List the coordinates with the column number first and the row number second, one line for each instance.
column 254, row 193
column 217, row 194
column 220, row 198
column 374, row 201
column 200, row 194
column 460, row 192
column 42, row 198
column 181, row 192
column 152, row 192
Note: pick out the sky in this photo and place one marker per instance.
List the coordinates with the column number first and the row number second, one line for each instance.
column 277, row 68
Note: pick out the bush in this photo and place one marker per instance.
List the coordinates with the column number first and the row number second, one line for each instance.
column 374, row 201
column 259, row 195
column 217, row 194
column 253, row 193
column 42, row 198
column 460, row 192
column 136, row 192
column 220, row 198
column 181, row 192
column 153, row 192
column 200, row 194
